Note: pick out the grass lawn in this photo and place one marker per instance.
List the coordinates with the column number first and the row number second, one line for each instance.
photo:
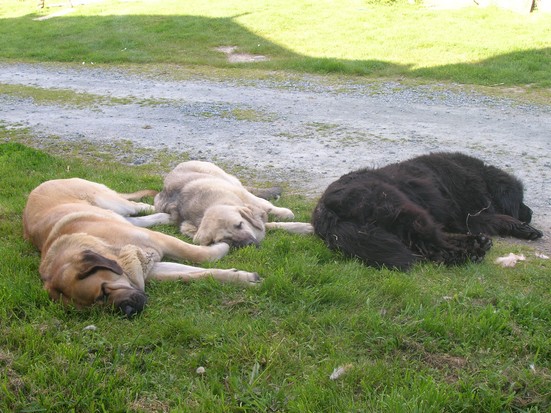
column 474, row 338
column 484, row 46
column 466, row 339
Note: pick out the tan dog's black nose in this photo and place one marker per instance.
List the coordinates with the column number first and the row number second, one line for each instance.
column 132, row 304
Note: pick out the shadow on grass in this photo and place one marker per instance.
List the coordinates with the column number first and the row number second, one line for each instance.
column 193, row 40
column 526, row 67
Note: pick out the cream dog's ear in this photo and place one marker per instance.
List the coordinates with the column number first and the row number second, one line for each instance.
column 255, row 216
column 91, row 262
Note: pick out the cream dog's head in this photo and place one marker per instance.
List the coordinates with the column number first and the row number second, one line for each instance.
column 237, row 226
column 74, row 272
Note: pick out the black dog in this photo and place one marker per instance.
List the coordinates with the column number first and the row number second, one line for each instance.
column 434, row 207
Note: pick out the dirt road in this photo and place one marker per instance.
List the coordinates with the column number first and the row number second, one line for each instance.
column 305, row 131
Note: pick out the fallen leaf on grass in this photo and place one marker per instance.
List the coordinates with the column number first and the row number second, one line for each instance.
column 509, row 260
column 339, row 371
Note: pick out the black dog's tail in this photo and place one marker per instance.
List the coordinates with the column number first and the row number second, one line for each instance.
column 371, row 244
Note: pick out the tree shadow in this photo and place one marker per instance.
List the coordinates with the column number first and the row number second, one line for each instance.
column 526, row 67
column 159, row 39
column 195, row 40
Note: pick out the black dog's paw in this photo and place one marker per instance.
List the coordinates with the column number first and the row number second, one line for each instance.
column 482, row 242
column 478, row 246
column 526, row 231
column 467, row 248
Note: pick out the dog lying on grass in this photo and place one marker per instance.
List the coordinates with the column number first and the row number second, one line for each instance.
column 213, row 206
column 438, row 207
column 92, row 251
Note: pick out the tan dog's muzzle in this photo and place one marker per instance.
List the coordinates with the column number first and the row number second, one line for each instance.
column 130, row 301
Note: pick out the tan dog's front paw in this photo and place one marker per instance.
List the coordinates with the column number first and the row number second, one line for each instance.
column 243, row 277
column 218, row 250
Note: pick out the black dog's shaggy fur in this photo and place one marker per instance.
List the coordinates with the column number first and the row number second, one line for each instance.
column 438, row 207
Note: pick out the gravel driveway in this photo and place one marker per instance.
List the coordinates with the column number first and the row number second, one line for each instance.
column 305, row 132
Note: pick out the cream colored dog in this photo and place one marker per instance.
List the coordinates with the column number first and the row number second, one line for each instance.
column 94, row 252
column 213, row 206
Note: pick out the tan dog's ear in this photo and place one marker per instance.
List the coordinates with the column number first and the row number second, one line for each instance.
column 92, row 261
column 255, row 216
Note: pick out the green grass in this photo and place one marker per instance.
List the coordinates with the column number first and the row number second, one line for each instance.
column 466, row 339
column 484, row 46
column 67, row 98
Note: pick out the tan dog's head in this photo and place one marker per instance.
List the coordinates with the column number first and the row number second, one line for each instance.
column 77, row 275
column 237, row 226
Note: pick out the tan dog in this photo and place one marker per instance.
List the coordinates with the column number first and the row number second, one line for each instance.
column 213, row 206
column 91, row 253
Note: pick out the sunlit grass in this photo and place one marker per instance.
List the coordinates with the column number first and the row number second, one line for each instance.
column 474, row 45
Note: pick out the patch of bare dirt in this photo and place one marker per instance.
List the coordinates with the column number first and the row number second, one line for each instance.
column 234, row 56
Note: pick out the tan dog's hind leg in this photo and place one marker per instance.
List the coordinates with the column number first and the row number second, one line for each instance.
column 292, row 227
column 135, row 196
column 122, row 206
column 150, row 220
column 175, row 271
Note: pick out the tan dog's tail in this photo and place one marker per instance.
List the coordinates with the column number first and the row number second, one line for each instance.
column 135, row 196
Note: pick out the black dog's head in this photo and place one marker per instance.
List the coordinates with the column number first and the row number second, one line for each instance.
column 524, row 214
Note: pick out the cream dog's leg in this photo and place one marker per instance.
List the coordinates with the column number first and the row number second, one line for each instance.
column 292, row 227
column 282, row 213
column 176, row 271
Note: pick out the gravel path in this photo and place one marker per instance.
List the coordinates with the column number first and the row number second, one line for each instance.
column 306, row 132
